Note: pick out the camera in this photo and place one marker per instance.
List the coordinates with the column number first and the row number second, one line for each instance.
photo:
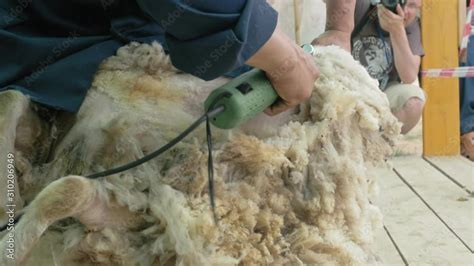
column 390, row 4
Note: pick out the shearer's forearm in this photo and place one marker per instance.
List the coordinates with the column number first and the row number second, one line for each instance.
column 406, row 63
column 340, row 15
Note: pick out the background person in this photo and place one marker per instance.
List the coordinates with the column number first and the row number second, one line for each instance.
column 390, row 49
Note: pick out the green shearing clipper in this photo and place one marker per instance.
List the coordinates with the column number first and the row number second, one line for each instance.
column 243, row 97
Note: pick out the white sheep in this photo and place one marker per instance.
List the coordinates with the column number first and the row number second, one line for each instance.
column 292, row 189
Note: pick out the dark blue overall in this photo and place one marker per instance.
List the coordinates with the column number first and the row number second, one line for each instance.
column 50, row 49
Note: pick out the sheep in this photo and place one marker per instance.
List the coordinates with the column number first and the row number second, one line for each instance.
column 291, row 189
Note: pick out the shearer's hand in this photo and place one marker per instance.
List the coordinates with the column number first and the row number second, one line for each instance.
column 291, row 71
column 334, row 37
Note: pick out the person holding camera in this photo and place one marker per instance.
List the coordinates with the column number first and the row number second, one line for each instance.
column 389, row 46
column 386, row 40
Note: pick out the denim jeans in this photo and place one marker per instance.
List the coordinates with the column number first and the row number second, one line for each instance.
column 467, row 93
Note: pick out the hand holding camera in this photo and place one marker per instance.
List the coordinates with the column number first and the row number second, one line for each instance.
column 390, row 4
column 391, row 21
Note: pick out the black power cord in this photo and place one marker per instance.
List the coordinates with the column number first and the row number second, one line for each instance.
column 164, row 148
column 206, row 117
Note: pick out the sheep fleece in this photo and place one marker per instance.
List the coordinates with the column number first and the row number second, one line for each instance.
column 292, row 191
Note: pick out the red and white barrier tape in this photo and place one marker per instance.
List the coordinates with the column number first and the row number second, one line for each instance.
column 457, row 72
column 467, row 29
column 460, row 72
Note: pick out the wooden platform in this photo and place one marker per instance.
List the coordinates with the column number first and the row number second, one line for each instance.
column 428, row 207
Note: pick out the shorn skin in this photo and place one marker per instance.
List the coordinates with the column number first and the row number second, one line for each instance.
column 292, row 189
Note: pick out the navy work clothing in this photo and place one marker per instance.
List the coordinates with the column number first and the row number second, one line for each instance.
column 50, row 49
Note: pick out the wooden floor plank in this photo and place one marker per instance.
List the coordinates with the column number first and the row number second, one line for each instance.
column 452, row 203
column 421, row 237
column 458, row 168
column 385, row 249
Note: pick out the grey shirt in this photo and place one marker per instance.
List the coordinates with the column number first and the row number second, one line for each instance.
column 375, row 53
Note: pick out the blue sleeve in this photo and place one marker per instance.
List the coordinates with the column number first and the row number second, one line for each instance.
column 208, row 38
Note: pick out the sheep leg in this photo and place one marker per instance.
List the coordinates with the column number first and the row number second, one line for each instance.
column 63, row 198
column 13, row 105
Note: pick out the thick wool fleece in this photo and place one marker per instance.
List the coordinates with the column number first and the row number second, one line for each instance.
column 291, row 191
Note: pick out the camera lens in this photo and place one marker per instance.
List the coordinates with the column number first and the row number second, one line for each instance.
column 391, row 4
